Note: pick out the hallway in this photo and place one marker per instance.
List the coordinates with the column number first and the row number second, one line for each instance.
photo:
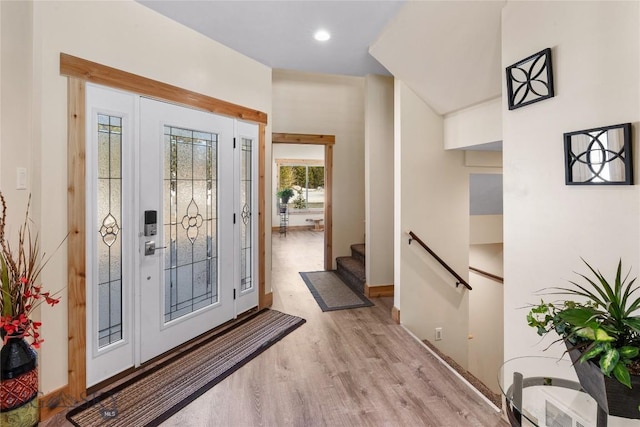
column 342, row 368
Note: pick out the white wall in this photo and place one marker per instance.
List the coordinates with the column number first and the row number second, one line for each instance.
column 16, row 136
column 379, row 179
column 548, row 226
column 486, row 321
column 434, row 204
column 485, row 229
column 475, row 125
column 334, row 105
column 124, row 35
column 298, row 151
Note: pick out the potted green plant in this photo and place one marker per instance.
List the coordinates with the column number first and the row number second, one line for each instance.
column 602, row 334
column 284, row 195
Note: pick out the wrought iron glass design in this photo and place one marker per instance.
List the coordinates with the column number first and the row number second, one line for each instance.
column 190, row 221
column 109, row 216
column 599, row 156
column 246, row 241
column 530, row 80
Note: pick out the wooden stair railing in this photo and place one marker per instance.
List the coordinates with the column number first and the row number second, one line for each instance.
column 460, row 280
column 489, row 275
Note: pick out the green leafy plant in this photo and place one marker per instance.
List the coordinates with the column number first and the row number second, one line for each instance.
column 284, row 195
column 605, row 327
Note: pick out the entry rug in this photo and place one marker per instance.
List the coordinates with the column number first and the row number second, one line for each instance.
column 331, row 293
column 156, row 395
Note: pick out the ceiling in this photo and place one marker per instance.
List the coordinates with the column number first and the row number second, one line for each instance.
column 279, row 34
column 448, row 51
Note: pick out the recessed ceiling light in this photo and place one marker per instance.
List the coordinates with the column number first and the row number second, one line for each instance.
column 322, row 35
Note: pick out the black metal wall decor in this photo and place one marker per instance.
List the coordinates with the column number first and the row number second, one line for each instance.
column 599, row 156
column 530, row 80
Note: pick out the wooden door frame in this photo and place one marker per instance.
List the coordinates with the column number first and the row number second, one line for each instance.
column 79, row 72
column 328, row 141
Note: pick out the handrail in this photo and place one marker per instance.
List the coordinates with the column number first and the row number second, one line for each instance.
column 489, row 275
column 459, row 279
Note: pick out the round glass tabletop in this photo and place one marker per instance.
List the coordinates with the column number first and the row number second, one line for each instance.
column 544, row 391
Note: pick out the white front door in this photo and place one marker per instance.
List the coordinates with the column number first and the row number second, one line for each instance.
column 148, row 290
column 187, row 176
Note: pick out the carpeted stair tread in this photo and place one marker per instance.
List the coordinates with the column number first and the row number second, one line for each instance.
column 358, row 252
column 352, row 272
column 351, row 264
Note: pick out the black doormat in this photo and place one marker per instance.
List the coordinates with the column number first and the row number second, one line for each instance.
column 155, row 395
column 331, row 293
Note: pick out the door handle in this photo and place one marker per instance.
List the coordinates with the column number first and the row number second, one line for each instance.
column 150, row 247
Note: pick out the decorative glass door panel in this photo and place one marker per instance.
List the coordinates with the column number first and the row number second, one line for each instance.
column 246, row 206
column 109, row 220
column 110, row 248
column 190, row 228
column 247, row 201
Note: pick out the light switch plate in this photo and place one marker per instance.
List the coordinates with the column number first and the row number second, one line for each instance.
column 21, row 178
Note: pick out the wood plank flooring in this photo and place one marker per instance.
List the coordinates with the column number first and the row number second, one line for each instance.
column 342, row 368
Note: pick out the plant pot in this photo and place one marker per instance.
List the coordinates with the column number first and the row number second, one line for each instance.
column 19, row 384
column 612, row 396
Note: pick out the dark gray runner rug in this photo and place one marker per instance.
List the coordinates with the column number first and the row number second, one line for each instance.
column 154, row 396
column 331, row 293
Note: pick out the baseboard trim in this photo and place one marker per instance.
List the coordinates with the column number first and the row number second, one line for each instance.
column 54, row 402
column 453, row 371
column 395, row 314
column 377, row 291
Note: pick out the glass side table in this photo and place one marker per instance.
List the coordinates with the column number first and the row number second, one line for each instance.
column 544, row 392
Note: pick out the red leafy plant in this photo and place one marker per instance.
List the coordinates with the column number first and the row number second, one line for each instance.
column 20, row 270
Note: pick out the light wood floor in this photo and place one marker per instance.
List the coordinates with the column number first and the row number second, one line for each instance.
column 342, row 368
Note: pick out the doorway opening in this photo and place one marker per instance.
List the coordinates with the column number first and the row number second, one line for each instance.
column 301, row 140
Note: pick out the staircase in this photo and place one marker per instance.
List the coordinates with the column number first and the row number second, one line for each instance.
column 351, row 268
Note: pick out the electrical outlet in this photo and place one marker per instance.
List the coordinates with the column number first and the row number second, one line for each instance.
column 438, row 334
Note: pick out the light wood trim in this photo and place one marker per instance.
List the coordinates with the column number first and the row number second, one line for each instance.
column 76, row 293
column 395, row 314
column 79, row 72
column 262, row 300
column 378, row 291
column 328, row 141
column 93, row 72
column 328, row 207
column 299, row 162
column 268, row 299
column 54, row 402
column 303, row 138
